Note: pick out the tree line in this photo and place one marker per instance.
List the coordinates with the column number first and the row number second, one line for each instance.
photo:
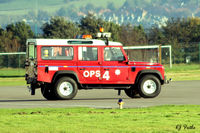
column 14, row 36
column 180, row 33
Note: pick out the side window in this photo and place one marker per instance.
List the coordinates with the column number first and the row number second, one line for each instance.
column 57, row 53
column 113, row 54
column 88, row 54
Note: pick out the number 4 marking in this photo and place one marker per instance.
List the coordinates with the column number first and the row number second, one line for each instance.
column 106, row 75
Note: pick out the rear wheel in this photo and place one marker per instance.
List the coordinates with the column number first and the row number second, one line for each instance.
column 65, row 88
column 48, row 92
column 149, row 86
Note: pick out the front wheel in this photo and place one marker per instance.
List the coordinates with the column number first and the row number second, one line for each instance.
column 149, row 86
column 66, row 88
column 132, row 92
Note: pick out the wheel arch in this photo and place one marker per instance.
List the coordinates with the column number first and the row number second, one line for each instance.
column 65, row 73
column 156, row 73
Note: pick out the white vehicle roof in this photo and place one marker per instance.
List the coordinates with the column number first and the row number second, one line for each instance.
column 93, row 42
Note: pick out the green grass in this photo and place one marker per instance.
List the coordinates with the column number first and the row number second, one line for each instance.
column 12, row 77
column 163, row 119
column 12, row 82
column 180, row 72
column 182, row 67
column 10, row 72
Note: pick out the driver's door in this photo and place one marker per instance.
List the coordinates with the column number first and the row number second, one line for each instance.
column 114, row 68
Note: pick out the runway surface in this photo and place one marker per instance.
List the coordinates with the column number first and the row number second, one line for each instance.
column 176, row 93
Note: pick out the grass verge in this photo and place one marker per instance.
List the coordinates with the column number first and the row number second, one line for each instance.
column 12, row 81
column 181, row 72
column 12, row 72
column 12, row 77
column 162, row 119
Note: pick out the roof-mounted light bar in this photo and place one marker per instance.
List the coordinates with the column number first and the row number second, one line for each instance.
column 84, row 37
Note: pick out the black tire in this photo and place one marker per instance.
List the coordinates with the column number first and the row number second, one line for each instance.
column 132, row 92
column 149, row 86
column 65, row 88
column 47, row 92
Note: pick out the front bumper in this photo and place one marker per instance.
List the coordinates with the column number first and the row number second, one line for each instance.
column 166, row 81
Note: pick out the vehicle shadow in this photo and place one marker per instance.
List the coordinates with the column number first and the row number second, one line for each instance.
column 137, row 97
column 32, row 100
column 76, row 99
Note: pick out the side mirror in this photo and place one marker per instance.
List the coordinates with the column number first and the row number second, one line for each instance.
column 124, row 61
column 121, row 58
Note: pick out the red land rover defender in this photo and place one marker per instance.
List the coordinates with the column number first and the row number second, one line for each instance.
column 62, row 66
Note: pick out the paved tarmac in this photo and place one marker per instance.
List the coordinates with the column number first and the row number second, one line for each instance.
column 176, row 93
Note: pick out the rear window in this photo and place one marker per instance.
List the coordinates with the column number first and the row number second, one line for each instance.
column 57, row 53
column 31, row 50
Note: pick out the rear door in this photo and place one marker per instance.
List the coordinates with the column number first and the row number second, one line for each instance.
column 30, row 59
column 88, row 64
column 54, row 58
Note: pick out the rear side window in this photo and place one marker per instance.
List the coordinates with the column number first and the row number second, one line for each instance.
column 88, row 54
column 57, row 53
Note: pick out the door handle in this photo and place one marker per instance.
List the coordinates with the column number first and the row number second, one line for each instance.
column 107, row 69
column 46, row 70
column 82, row 68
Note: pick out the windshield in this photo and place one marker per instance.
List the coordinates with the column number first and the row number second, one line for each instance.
column 113, row 54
